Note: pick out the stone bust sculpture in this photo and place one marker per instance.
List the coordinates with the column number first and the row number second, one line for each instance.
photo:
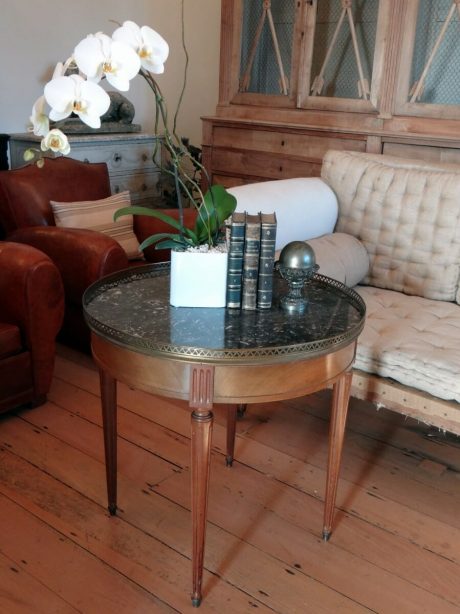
column 121, row 109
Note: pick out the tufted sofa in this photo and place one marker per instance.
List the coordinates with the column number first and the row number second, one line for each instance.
column 406, row 215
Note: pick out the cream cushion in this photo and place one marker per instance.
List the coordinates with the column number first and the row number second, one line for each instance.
column 407, row 215
column 341, row 257
column 98, row 215
column 305, row 207
column 414, row 340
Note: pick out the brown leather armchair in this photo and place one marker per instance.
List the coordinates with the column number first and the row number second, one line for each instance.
column 82, row 256
column 31, row 312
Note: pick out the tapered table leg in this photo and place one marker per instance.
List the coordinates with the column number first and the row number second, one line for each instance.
column 340, row 399
column 201, row 395
column 109, row 421
column 231, row 430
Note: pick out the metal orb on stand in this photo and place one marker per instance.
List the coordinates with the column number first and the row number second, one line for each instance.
column 296, row 264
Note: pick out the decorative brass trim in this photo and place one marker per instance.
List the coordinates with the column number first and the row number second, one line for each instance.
column 222, row 356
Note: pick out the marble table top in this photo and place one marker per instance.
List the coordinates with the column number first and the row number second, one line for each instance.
column 132, row 309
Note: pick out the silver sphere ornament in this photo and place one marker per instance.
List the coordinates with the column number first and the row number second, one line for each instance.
column 297, row 255
column 297, row 265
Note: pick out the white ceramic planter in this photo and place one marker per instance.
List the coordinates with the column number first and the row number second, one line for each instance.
column 198, row 279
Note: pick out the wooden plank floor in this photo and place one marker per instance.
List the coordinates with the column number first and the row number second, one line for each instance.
column 395, row 546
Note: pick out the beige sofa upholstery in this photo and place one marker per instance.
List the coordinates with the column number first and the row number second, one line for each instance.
column 406, row 213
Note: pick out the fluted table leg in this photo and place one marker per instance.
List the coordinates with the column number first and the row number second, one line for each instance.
column 109, row 421
column 231, row 431
column 201, row 397
column 340, row 399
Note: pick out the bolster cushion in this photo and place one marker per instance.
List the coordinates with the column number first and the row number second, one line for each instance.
column 305, row 207
column 341, row 257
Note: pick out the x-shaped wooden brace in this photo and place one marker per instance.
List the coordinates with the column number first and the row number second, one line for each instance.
column 246, row 79
column 363, row 84
column 417, row 89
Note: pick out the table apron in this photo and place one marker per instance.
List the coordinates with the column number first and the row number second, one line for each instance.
column 232, row 383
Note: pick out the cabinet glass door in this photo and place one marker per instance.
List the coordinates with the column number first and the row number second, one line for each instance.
column 343, row 54
column 343, row 50
column 268, row 28
column 429, row 68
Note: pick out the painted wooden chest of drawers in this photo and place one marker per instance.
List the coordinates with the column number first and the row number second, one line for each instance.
column 129, row 158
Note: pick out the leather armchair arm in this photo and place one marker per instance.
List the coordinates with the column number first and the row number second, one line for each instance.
column 32, row 298
column 81, row 256
column 144, row 226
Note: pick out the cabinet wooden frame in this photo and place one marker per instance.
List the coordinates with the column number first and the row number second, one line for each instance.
column 307, row 101
column 402, row 104
column 232, row 19
column 301, row 59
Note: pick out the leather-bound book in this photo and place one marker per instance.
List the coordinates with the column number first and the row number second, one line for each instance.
column 251, row 262
column 267, row 256
column 235, row 260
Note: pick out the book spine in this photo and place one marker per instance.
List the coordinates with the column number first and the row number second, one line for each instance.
column 251, row 262
column 235, row 260
column 267, row 256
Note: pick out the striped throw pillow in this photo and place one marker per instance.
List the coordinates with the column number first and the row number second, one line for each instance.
column 98, row 215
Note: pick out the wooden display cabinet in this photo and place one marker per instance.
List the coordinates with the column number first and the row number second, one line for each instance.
column 299, row 77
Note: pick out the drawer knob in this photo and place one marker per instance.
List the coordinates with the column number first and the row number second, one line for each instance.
column 145, row 157
column 116, row 157
column 143, row 187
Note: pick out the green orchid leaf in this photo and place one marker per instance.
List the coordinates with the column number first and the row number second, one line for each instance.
column 217, row 206
column 225, row 202
column 167, row 219
column 177, row 239
column 171, row 245
column 157, row 237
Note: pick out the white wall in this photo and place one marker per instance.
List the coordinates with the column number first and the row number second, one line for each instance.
column 35, row 34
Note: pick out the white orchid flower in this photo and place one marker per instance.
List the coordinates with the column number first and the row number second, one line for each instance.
column 39, row 119
column 98, row 56
column 73, row 94
column 150, row 46
column 56, row 141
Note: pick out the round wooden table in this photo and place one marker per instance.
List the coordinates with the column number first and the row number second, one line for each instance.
column 209, row 355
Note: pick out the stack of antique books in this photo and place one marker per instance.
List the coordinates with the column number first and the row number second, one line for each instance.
column 250, row 261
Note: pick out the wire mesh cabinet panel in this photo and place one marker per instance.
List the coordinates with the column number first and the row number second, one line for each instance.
column 268, row 50
column 429, row 72
column 266, row 46
column 312, row 53
column 343, row 54
column 343, row 49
